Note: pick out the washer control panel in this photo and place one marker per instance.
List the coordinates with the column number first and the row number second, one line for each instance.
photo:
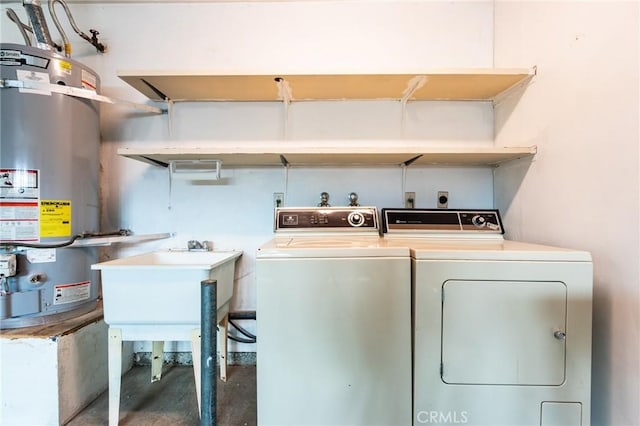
column 438, row 220
column 326, row 218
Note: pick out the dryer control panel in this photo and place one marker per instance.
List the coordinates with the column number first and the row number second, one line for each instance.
column 326, row 219
column 440, row 221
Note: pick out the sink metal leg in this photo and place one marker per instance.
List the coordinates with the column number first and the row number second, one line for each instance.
column 222, row 344
column 196, row 355
column 208, row 325
column 195, row 359
column 157, row 352
column 115, row 372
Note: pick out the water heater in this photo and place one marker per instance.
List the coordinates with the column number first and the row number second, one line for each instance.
column 49, row 187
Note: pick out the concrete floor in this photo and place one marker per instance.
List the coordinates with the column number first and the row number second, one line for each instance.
column 172, row 400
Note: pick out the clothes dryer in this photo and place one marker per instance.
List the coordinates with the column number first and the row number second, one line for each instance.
column 334, row 321
column 502, row 329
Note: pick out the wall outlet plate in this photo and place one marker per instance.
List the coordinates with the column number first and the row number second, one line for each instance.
column 409, row 200
column 278, row 199
column 443, row 199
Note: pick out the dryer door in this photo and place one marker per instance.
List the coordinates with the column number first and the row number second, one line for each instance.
column 503, row 332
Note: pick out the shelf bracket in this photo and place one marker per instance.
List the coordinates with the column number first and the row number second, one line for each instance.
column 284, row 93
column 414, row 84
column 48, row 88
column 286, row 179
column 403, row 183
column 170, row 112
column 411, row 160
column 507, row 93
column 284, row 160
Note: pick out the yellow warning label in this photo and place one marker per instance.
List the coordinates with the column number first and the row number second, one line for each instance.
column 55, row 218
column 65, row 66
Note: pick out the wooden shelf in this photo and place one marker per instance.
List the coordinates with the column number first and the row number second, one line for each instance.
column 474, row 84
column 296, row 155
column 55, row 329
column 125, row 239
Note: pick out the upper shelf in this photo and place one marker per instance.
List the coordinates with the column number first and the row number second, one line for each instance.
column 281, row 154
column 474, row 84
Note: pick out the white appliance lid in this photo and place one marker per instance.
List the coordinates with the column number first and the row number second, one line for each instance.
column 330, row 246
column 450, row 249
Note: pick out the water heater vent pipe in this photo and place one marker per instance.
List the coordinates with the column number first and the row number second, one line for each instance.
column 38, row 24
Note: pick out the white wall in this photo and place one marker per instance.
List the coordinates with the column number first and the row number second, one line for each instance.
column 582, row 111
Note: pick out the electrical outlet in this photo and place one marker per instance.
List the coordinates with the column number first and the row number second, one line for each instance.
column 278, row 199
column 409, row 200
column 443, row 199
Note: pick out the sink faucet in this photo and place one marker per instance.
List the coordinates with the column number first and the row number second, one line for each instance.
column 195, row 245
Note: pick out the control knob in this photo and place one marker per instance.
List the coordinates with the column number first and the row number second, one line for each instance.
column 479, row 221
column 355, row 219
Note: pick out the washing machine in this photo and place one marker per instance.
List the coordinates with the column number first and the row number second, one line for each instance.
column 334, row 321
column 502, row 329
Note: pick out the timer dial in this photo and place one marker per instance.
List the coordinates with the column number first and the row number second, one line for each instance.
column 355, row 219
column 479, row 221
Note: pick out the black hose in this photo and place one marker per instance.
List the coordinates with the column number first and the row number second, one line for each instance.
column 242, row 315
column 120, row 232
column 240, row 339
column 243, row 330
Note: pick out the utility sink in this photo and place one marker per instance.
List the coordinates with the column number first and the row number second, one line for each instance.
column 163, row 287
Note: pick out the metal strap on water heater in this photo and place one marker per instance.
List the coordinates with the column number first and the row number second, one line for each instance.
column 76, row 92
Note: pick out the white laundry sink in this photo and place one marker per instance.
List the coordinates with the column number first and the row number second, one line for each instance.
column 163, row 287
